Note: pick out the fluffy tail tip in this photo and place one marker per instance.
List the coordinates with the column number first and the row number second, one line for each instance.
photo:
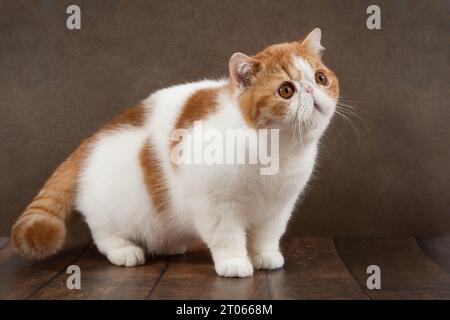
column 37, row 236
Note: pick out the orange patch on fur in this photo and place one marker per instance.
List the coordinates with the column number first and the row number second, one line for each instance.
column 133, row 116
column 154, row 177
column 45, row 235
column 39, row 235
column 259, row 103
column 199, row 106
column 40, row 230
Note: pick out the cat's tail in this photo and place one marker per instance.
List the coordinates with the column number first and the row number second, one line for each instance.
column 41, row 229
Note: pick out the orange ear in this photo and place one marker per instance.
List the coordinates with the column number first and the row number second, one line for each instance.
column 242, row 68
column 312, row 41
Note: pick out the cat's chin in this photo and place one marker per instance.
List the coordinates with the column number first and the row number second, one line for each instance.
column 317, row 126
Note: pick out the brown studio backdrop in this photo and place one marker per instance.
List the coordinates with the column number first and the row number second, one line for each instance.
column 58, row 86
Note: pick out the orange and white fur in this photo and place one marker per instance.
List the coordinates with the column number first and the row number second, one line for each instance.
column 138, row 203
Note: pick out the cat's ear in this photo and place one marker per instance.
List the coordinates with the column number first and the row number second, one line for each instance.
column 312, row 41
column 242, row 68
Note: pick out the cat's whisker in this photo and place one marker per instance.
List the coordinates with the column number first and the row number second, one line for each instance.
column 346, row 99
column 300, row 127
column 293, row 128
column 352, row 113
column 352, row 107
column 308, row 120
column 350, row 110
column 344, row 119
column 297, row 125
column 350, row 122
column 305, row 119
column 324, row 147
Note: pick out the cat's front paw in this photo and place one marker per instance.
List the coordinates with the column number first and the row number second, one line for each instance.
column 268, row 260
column 129, row 256
column 234, row 267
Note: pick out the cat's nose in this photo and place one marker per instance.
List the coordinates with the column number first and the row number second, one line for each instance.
column 307, row 86
column 309, row 89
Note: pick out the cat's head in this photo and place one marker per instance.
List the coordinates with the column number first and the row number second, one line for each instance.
column 286, row 86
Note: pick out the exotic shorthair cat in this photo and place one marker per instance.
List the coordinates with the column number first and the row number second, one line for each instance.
column 137, row 201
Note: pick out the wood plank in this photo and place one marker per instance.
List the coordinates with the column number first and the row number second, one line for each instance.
column 192, row 276
column 102, row 280
column 3, row 242
column 438, row 249
column 21, row 278
column 313, row 270
column 406, row 273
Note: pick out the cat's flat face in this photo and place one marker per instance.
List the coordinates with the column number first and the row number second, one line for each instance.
column 287, row 85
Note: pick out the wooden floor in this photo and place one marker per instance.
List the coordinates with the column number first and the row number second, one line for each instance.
column 316, row 268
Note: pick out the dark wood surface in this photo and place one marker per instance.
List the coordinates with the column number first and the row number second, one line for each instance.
column 406, row 272
column 103, row 280
column 21, row 279
column 316, row 268
column 313, row 270
column 437, row 249
column 192, row 276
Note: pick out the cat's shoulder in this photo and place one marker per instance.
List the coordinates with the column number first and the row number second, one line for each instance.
column 186, row 89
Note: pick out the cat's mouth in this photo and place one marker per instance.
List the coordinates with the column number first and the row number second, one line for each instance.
column 317, row 107
column 311, row 99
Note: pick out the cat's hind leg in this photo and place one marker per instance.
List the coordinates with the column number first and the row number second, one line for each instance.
column 119, row 251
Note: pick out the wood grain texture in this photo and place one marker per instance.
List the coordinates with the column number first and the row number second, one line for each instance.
column 100, row 279
column 316, row 268
column 192, row 276
column 406, row 273
column 438, row 249
column 313, row 270
column 20, row 278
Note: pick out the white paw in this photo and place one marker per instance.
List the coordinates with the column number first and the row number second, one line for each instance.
column 129, row 256
column 268, row 260
column 234, row 267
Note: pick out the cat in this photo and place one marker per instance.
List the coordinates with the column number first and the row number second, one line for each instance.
column 138, row 201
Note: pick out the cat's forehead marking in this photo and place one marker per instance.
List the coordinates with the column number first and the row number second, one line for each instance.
column 304, row 67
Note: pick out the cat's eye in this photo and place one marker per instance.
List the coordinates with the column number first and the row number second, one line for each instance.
column 286, row 91
column 321, row 78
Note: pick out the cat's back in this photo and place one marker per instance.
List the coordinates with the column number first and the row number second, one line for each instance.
column 128, row 151
column 165, row 108
column 165, row 105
